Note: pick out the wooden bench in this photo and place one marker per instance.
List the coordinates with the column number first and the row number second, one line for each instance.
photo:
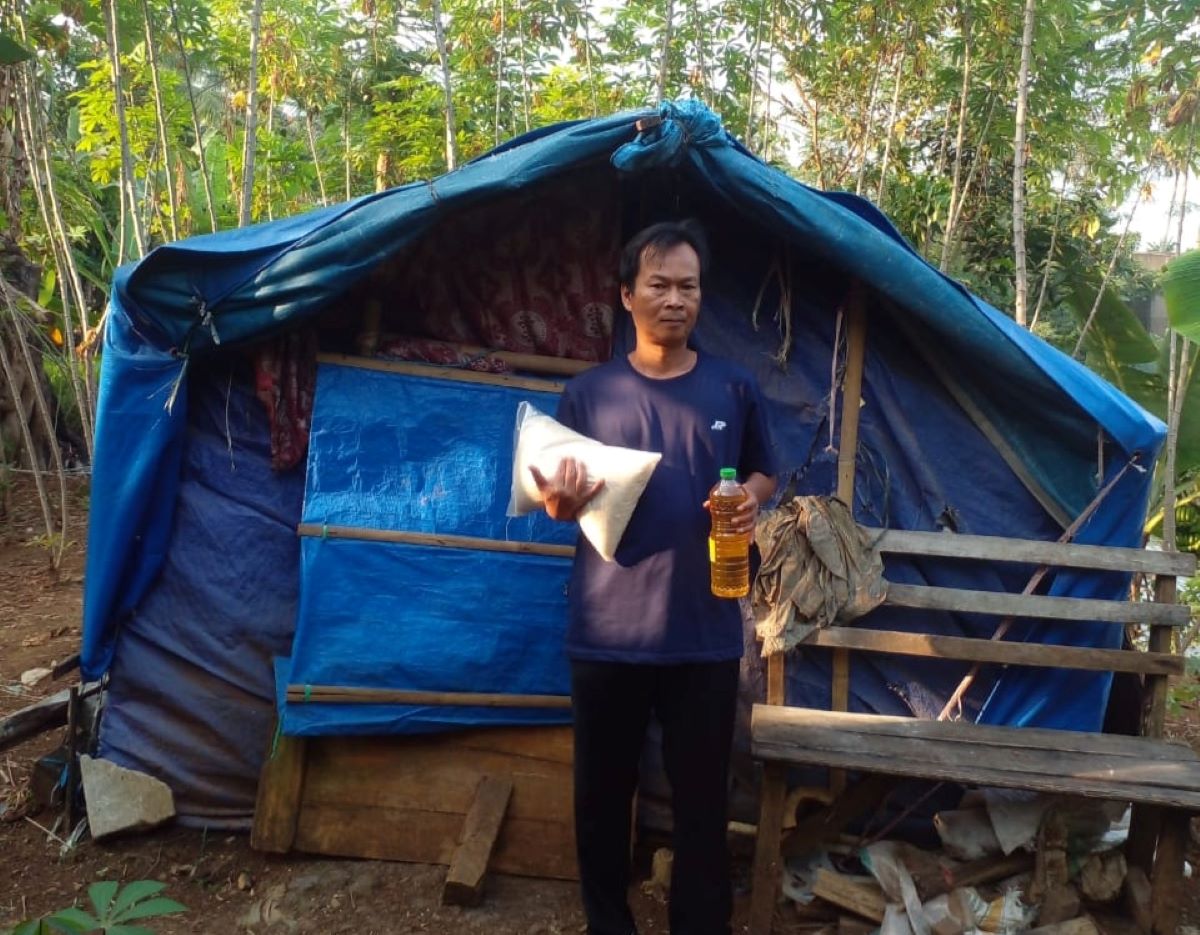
column 1161, row 779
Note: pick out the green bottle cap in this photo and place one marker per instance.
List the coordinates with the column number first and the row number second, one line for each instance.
column 728, row 473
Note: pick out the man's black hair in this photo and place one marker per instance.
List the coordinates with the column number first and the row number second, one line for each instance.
column 659, row 238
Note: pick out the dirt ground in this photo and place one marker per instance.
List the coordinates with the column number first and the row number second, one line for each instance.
column 228, row 887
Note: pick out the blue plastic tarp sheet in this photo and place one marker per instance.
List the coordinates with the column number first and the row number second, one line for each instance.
column 173, row 521
column 435, row 457
column 190, row 696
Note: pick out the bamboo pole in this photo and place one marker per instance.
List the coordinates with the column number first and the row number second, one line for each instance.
column 856, row 344
column 435, row 540
column 336, row 694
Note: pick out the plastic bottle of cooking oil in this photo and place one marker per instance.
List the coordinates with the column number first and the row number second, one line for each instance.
column 728, row 551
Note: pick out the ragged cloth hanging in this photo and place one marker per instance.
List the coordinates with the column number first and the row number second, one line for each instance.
column 818, row 567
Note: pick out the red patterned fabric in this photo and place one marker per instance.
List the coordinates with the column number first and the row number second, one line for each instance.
column 538, row 277
column 285, row 378
column 428, row 351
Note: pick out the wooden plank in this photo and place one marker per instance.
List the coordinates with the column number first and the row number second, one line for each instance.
column 439, row 540
column 765, row 882
column 525, row 847
column 406, row 798
column 964, row 649
column 280, row 785
column 997, row 757
column 468, row 867
column 776, row 683
column 856, row 345
column 1166, row 882
column 864, row 899
column 39, row 717
column 765, row 718
column 1161, row 639
column 337, row 694
column 456, row 374
column 433, row 778
column 1032, row 552
column 957, row 600
column 1138, row 899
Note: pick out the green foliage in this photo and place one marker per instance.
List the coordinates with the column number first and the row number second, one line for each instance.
column 1181, row 292
column 11, row 51
column 113, row 909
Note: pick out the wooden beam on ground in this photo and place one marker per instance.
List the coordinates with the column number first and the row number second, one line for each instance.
column 337, row 694
column 958, row 600
column 436, row 540
column 39, row 717
column 481, row 828
column 1031, row 552
column 280, row 786
column 432, row 371
column 864, row 899
column 965, row 649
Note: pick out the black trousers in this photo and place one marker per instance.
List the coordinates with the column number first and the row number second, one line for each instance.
column 695, row 704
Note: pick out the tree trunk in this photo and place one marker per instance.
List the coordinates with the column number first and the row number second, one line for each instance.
column 1037, row 310
column 69, row 284
column 755, row 49
column 525, row 94
column 346, row 147
column 312, row 148
column 250, row 141
column 1177, row 382
column 501, row 55
column 127, row 184
column 867, row 125
column 665, row 59
column 951, row 242
column 959, row 139
column 1022, row 277
column 270, row 152
column 160, row 117
column 1187, row 171
column 187, row 80
column 701, row 54
column 439, row 33
column 1112, row 264
column 891, row 125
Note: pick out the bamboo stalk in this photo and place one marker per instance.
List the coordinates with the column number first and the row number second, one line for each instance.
column 336, row 694
column 436, row 540
column 856, row 344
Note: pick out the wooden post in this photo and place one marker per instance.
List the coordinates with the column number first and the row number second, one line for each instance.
column 1166, row 884
column 856, row 344
column 765, row 881
column 481, row 828
column 1146, row 821
column 280, row 785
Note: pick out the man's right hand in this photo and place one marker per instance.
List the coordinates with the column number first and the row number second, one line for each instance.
column 568, row 491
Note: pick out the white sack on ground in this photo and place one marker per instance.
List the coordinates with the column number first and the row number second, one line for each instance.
column 543, row 442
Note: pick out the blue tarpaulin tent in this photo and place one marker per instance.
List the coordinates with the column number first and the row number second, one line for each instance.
column 196, row 578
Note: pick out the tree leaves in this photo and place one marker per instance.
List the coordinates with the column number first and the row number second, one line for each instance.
column 1181, row 292
column 12, row 52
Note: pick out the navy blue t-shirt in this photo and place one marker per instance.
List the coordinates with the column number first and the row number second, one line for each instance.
column 653, row 603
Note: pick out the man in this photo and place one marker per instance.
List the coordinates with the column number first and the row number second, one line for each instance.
column 645, row 633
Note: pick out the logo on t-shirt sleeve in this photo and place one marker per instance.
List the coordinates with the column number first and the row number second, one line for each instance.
column 717, row 426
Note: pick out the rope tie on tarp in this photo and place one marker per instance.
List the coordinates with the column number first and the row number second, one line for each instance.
column 204, row 319
column 663, row 140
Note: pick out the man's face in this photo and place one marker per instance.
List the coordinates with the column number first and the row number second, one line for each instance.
column 665, row 298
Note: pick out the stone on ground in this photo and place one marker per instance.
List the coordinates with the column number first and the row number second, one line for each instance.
column 120, row 799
